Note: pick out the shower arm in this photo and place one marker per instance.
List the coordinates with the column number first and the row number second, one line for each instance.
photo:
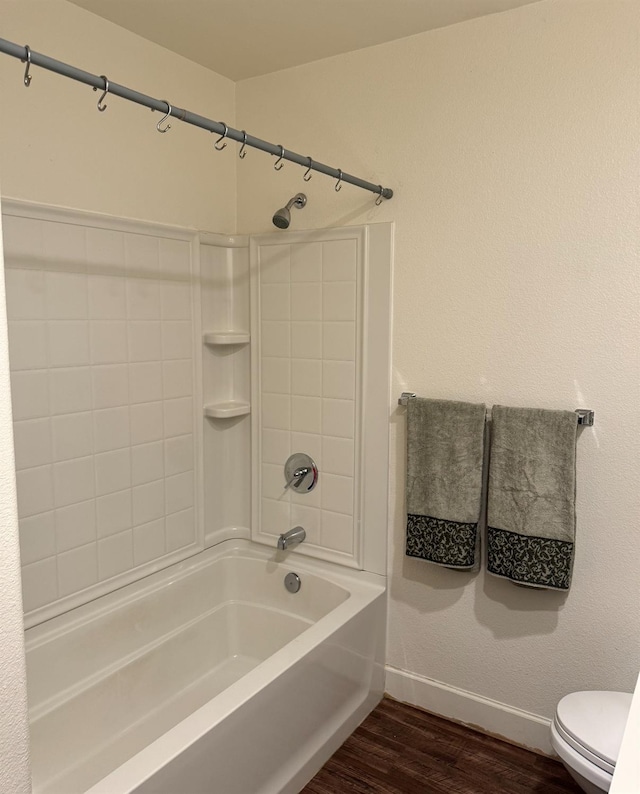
column 31, row 58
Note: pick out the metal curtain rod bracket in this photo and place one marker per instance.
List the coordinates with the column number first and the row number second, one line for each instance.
column 25, row 54
column 585, row 416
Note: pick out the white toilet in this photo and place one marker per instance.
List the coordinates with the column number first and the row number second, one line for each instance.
column 587, row 732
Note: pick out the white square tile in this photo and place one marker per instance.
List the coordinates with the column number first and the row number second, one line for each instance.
column 338, row 418
column 105, row 251
column 32, row 441
column 339, row 260
column 275, row 516
column 147, row 462
column 113, row 513
column 274, row 263
column 148, row 542
column 175, row 300
column 70, row 390
column 177, row 339
column 22, row 239
column 148, row 502
column 107, row 298
column 145, row 381
column 179, row 492
column 337, row 532
column 108, row 342
column 274, row 302
column 115, row 554
column 68, row 342
column 142, row 255
column 25, row 294
column 30, row 394
column 64, row 245
column 338, row 456
column 273, row 482
column 306, row 377
column 276, row 411
column 145, row 343
column 276, row 446
column 177, row 378
column 110, row 385
column 37, row 538
column 339, row 341
column 75, row 525
column 339, row 379
column 39, row 583
column 274, row 339
column 276, row 375
column 181, row 529
column 77, row 569
column 306, row 262
column 73, row 481
column 309, row 443
column 146, row 422
column 113, row 471
column 143, row 299
column 27, row 344
column 309, row 519
column 35, row 490
column 178, row 417
column 72, row 436
column 339, row 301
column 178, row 455
column 306, row 301
column 306, row 414
column 306, row 340
column 337, row 494
column 111, row 429
column 175, row 259
column 66, row 296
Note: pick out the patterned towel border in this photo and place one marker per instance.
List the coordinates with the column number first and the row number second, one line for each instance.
column 527, row 559
column 444, row 542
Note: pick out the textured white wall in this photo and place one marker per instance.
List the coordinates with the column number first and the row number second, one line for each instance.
column 512, row 144
column 57, row 148
column 14, row 737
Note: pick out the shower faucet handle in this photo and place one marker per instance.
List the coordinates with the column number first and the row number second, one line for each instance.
column 300, row 473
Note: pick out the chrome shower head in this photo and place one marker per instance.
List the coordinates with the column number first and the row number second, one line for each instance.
column 282, row 218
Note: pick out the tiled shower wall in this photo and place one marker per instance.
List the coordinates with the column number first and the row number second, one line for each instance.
column 101, row 340
column 308, row 372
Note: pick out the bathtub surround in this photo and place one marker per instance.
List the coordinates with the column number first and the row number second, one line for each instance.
column 445, row 451
column 531, row 516
column 515, row 210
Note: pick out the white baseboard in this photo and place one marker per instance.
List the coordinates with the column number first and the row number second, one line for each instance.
column 490, row 716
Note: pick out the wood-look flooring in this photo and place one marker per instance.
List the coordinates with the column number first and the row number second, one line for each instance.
column 402, row 750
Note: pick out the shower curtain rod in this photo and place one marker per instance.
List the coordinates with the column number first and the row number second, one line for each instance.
column 28, row 56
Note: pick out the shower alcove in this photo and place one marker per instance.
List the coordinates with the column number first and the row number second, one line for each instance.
column 161, row 377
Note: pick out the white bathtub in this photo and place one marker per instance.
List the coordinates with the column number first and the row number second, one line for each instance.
column 206, row 677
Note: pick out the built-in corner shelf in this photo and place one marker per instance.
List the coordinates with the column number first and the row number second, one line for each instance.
column 226, row 338
column 227, row 410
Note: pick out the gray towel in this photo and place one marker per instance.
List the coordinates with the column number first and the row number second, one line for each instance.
column 531, row 516
column 445, row 442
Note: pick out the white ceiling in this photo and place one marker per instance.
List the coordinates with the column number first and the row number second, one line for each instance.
column 245, row 38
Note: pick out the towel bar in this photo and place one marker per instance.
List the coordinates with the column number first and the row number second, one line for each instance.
column 586, row 417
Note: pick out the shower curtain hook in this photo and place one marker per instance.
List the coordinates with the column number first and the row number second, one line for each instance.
column 307, row 173
column 101, row 105
column 166, row 116
column 339, row 183
column 242, row 154
column 221, row 138
column 278, row 164
column 380, row 197
column 27, row 60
